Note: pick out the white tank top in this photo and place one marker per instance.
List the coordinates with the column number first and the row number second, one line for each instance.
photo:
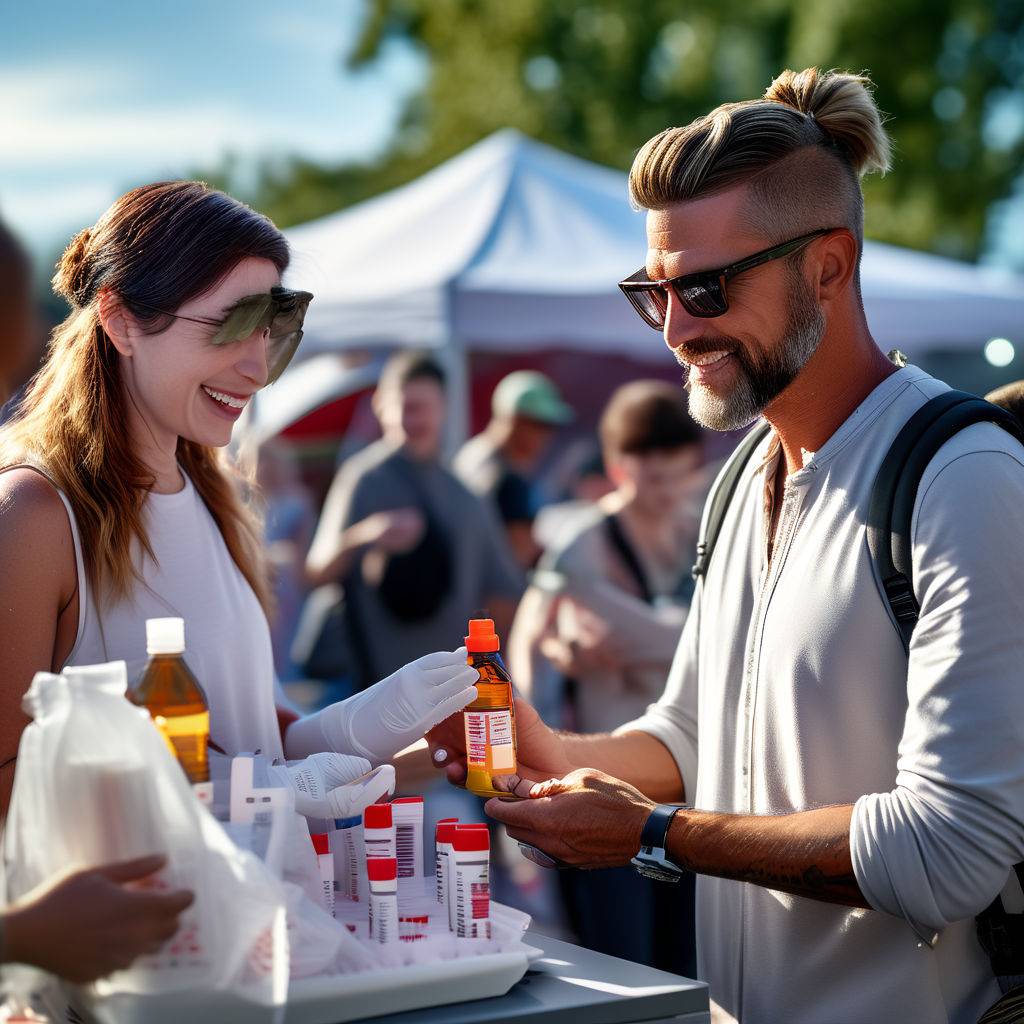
column 227, row 638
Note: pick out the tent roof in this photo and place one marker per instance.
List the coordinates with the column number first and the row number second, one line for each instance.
column 514, row 245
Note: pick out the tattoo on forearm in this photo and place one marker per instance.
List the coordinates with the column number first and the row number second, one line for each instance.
column 804, row 854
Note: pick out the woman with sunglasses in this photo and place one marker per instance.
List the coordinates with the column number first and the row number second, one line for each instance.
column 118, row 504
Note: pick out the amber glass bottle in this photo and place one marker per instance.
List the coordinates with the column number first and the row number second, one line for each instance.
column 490, row 721
column 174, row 698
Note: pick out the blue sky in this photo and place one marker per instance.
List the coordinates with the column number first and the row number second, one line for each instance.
column 96, row 97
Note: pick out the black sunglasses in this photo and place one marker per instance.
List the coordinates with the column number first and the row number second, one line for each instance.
column 702, row 294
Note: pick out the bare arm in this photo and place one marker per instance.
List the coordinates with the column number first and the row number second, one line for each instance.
column 635, row 757
column 590, row 819
column 37, row 583
column 331, row 561
column 806, row 853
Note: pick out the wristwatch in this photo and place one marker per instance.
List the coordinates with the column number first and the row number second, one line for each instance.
column 651, row 860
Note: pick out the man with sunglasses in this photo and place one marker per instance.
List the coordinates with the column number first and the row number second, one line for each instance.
column 849, row 806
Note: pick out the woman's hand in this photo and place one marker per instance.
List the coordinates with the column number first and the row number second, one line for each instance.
column 539, row 749
column 391, row 714
column 89, row 923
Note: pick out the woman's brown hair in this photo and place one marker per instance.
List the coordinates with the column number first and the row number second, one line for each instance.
column 157, row 247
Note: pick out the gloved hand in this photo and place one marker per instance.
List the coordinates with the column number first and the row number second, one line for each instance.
column 391, row 714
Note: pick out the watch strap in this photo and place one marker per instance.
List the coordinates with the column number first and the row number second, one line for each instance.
column 656, row 828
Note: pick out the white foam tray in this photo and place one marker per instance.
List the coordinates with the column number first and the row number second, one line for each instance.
column 320, row 1000
column 325, row 1000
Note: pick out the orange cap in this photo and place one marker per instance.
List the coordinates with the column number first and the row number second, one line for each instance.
column 482, row 639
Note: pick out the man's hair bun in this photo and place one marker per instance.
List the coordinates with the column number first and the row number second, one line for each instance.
column 843, row 108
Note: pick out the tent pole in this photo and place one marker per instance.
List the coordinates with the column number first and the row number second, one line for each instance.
column 455, row 361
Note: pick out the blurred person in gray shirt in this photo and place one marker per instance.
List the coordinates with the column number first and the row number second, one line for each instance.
column 417, row 552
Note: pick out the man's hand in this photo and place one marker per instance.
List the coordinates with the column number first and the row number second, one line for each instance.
column 90, row 923
column 587, row 819
column 539, row 749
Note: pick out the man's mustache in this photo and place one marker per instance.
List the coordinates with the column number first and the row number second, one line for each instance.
column 684, row 356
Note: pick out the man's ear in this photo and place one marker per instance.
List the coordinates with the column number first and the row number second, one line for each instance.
column 838, row 264
column 115, row 321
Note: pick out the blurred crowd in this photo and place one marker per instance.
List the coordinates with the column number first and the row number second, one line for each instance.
column 588, row 581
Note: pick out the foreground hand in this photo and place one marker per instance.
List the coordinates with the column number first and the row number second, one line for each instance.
column 399, row 710
column 539, row 749
column 587, row 819
column 88, row 924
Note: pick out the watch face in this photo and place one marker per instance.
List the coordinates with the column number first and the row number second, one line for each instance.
column 653, row 865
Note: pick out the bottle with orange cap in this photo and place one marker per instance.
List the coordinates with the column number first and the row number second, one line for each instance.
column 490, row 721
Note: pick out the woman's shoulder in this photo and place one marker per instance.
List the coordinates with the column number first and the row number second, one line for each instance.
column 33, row 519
column 26, row 494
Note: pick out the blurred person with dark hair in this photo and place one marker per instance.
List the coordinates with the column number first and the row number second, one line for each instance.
column 612, row 592
column 17, row 315
column 500, row 464
column 417, row 552
column 596, row 632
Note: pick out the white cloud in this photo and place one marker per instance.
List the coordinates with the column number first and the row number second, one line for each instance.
column 179, row 136
column 54, row 86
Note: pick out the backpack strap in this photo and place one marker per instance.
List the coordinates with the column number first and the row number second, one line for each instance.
column 619, row 541
column 894, row 492
column 718, row 503
column 890, row 515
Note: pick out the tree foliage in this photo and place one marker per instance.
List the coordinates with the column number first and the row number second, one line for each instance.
column 599, row 77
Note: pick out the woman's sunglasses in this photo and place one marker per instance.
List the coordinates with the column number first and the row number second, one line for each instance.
column 280, row 311
column 702, row 294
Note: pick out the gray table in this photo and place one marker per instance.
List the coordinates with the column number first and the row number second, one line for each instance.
column 572, row 985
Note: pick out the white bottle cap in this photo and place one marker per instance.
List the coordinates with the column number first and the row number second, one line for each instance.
column 165, row 636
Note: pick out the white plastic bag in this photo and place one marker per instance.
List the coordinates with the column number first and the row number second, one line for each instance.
column 264, row 820
column 96, row 783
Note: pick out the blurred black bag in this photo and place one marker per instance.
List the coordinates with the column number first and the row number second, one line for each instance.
column 416, row 582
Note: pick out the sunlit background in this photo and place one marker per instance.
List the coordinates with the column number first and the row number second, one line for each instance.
column 308, row 108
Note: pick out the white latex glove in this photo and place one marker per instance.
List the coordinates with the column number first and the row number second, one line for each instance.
column 329, row 785
column 391, row 714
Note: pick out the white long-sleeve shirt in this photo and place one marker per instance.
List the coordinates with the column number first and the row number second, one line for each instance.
column 790, row 690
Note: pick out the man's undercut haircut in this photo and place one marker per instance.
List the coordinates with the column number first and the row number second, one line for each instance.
column 405, row 367
column 647, row 416
column 801, row 149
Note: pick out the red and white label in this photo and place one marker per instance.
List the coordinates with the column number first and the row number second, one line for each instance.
column 489, row 740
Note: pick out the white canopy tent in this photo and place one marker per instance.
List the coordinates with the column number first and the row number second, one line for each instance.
column 514, row 246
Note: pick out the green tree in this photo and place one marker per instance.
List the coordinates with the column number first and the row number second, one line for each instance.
column 599, row 77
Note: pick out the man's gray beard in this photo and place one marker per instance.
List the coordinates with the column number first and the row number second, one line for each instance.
column 759, row 384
